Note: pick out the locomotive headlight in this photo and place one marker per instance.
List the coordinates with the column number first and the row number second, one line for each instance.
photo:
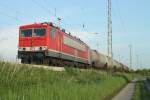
column 44, row 48
column 40, row 48
column 24, row 49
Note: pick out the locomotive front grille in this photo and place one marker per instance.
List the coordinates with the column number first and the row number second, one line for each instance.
column 26, row 54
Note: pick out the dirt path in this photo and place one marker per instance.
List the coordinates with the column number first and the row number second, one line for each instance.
column 127, row 93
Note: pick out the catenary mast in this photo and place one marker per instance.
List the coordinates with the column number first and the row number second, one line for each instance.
column 109, row 38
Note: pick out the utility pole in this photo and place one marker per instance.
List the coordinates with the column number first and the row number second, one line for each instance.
column 141, row 64
column 59, row 34
column 109, row 38
column 137, row 58
column 130, row 47
column 97, row 46
column 119, row 58
column 59, row 20
column 55, row 13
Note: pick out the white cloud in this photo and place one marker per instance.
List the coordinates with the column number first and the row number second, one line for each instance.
column 8, row 43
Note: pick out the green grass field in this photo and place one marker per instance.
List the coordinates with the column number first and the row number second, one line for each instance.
column 23, row 82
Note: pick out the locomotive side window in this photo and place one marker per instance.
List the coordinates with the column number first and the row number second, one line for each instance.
column 26, row 33
column 52, row 33
column 74, row 44
column 39, row 32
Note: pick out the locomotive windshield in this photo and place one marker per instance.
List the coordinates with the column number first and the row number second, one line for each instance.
column 26, row 33
column 39, row 32
column 33, row 32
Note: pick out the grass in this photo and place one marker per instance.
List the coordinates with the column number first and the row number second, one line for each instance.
column 141, row 91
column 23, row 82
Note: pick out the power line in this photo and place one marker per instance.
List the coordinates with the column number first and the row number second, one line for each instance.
column 122, row 23
column 35, row 2
column 137, row 58
column 6, row 38
column 16, row 11
column 6, row 35
column 130, row 47
column 120, row 17
column 10, row 16
column 41, row 6
column 3, row 39
column 55, row 10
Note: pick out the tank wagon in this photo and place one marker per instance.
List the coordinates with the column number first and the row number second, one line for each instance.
column 44, row 43
column 98, row 60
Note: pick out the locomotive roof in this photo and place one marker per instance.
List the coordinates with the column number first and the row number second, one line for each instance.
column 63, row 30
column 56, row 27
column 69, row 34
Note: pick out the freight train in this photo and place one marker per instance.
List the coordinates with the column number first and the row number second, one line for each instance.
column 47, row 44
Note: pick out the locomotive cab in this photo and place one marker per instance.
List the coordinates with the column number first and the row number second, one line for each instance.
column 32, row 39
column 32, row 43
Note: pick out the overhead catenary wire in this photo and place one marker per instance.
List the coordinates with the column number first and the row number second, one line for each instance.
column 15, row 17
column 120, row 17
column 42, row 7
column 47, row 10
column 55, row 14
column 55, row 10
column 12, row 17
column 16, row 11
column 20, row 20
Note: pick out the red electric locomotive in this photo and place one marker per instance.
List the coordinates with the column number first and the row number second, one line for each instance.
column 45, row 43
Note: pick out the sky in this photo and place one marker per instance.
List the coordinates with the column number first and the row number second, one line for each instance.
column 130, row 23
